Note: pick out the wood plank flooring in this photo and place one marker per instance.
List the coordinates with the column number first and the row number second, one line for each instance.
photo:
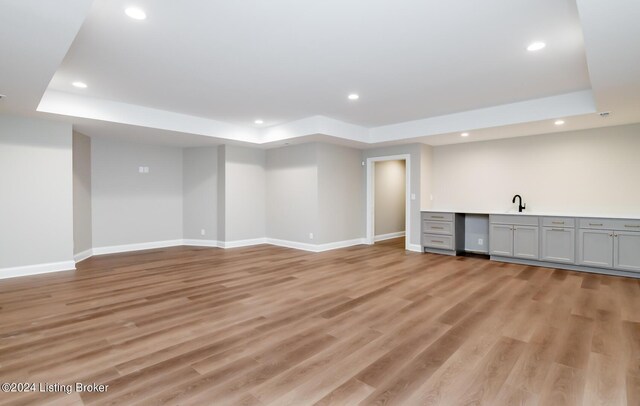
column 370, row 325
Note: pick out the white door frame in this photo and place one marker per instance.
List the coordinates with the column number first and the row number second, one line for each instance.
column 371, row 196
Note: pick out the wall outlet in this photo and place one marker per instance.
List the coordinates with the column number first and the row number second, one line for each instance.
column 146, row 169
column 413, row 196
column 480, row 241
column 143, row 169
column 202, row 232
column 431, row 197
column 311, row 236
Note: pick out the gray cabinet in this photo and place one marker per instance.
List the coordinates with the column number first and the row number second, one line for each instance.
column 595, row 248
column 525, row 242
column 501, row 240
column 442, row 233
column 558, row 245
column 514, row 236
column 626, row 252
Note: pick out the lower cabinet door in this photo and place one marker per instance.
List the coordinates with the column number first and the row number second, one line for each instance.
column 595, row 248
column 626, row 253
column 501, row 240
column 558, row 245
column 525, row 242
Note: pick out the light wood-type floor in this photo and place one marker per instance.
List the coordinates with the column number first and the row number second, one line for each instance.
column 364, row 325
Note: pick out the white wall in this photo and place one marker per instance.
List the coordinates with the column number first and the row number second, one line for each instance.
column 292, row 193
column 36, row 184
column 582, row 172
column 200, row 193
column 341, row 180
column 130, row 207
column 389, row 199
column 82, row 229
column 245, row 193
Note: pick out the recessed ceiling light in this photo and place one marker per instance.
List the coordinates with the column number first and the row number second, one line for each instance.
column 79, row 85
column 536, row 46
column 464, row 134
column 559, row 122
column 135, row 13
column 258, row 121
column 353, row 96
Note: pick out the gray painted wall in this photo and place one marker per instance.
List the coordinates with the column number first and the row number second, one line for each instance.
column 476, row 228
column 426, row 176
column 341, row 180
column 292, row 193
column 36, row 182
column 245, row 193
column 200, row 193
column 82, row 229
column 390, row 194
column 221, row 206
column 130, row 207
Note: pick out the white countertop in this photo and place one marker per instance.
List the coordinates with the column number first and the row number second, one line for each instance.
column 541, row 213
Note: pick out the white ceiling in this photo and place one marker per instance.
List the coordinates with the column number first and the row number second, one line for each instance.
column 425, row 70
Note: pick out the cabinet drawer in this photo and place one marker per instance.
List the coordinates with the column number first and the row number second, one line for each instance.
column 443, row 242
column 522, row 220
column 597, row 224
column 431, row 215
column 558, row 222
column 610, row 224
column 437, row 227
column 626, row 225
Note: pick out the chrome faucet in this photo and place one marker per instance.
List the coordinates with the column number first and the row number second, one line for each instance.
column 520, row 205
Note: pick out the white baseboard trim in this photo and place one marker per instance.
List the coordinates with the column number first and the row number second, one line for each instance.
column 315, row 247
column 241, row 243
column 340, row 244
column 16, row 271
column 201, row 243
column 114, row 249
column 389, row 236
column 81, row 256
column 292, row 244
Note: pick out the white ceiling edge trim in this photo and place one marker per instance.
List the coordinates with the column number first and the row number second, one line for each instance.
column 547, row 108
column 68, row 104
column 312, row 126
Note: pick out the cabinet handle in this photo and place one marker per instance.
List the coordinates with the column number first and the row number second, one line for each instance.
column 615, row 235
column 441, row 242
column 558, row 229
column 610, row 235
column 557, row 222
column 595, row 224
column 437, row 217
column 632, row 226
column 437, row 228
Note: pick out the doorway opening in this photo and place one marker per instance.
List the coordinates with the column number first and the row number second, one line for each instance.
column 388, row 203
